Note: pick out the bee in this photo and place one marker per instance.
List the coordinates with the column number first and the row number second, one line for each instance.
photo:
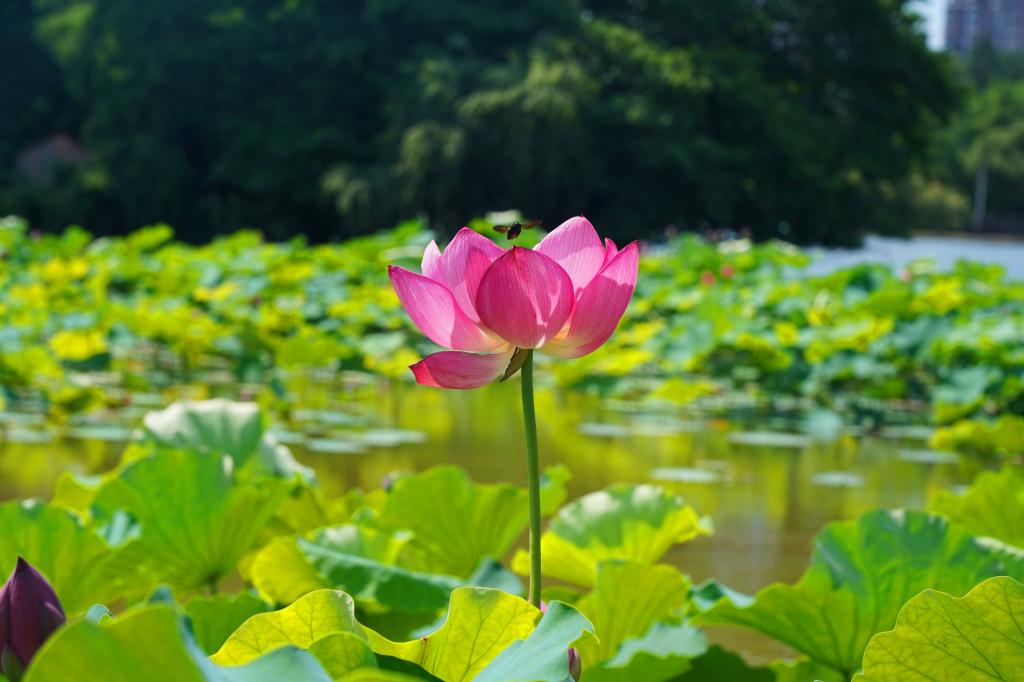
column 515, row 229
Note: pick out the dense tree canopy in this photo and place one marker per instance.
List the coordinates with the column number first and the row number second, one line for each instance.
column 333, row 118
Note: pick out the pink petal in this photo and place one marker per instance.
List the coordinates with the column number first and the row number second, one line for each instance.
column 575, row 246
column 525, row 298
column 432, row 266
column 433, row 309
column 599, row 306
column 465, row 261
column 452, row 369
column 610, row 250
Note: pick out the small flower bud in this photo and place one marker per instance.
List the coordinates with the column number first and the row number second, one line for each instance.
column 575, row 664
column 29, row 613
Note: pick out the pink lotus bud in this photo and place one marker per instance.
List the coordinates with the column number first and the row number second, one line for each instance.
column 575, row 664
column 707, row 278
column 29, row 613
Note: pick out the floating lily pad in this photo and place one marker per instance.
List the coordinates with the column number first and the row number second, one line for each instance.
column 110, row 432
column 928, row 456
column 771, row 439
column 28, row 436
column 655, row 428
column 328, row 417
column 907, row 432
column 389, row 438
column 335, row 446
column 598, row 430
column 686, row 475
column 838, row 479
column 286, row 436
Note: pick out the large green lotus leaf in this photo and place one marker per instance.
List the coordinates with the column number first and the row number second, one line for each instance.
column 281, row 573
column 195, row 516
column 861, row 573
column 636, row 523
column 77, row 561
column 940, row 637
column 481, row 624
column 993, row 506
column 153, row 644
column 718, row 665
column 223, row 427
column 214, row 618
column 456, row 523
column 375, row 675
column 636, row 609
column 543, row 656
column 662, row 653
column 322, row 622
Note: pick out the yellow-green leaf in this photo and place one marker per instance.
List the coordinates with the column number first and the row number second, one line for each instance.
column 481, row 624
column 322, row 623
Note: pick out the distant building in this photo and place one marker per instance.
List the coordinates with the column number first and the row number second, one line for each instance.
column 1001, row 22
column 40, row 162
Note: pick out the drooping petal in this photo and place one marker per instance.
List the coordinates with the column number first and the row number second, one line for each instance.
column 452, row 369
column 599, row 306
column 576, row 246
column 610, row 251
column 465, row 261
column 433, row 309
column 432, row 265
column 525, row 298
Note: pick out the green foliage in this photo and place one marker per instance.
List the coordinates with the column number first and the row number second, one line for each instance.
column 632, row 523
column 189, row 516
column 863, row 342
column 78, row 562
column 331, row 118
column 481, row 624
column 152, row 644
column 215, row 617
column 992, row 507
column 223, row 427
column 938, row 636
column 322, row 622
column 541, row 655
column 456, row 523
column 861, row 573
column 636, row 611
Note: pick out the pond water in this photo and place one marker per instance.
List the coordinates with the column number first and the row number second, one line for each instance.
column 945, row 251
column 767, row 490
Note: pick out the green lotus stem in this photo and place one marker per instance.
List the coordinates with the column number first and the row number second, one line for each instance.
column 533, row 476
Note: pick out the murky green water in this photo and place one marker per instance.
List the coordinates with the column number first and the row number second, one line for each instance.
column 768, row 492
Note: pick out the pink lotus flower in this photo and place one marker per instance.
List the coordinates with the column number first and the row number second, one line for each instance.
column 565, row 298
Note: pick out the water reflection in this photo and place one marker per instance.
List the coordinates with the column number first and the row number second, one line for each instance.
column 768, row 493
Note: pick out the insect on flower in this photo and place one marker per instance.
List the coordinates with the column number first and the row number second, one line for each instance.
column 515, row 229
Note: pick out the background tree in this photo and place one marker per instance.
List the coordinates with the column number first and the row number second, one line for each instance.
column 788, row 118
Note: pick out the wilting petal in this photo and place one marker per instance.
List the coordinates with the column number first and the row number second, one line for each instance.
column 525, row 298
column 433, row 309
column 599, row 307
column 452, row 369
column 432, row 265
column 610, row 251
column 465, row 261
column 575, row 246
